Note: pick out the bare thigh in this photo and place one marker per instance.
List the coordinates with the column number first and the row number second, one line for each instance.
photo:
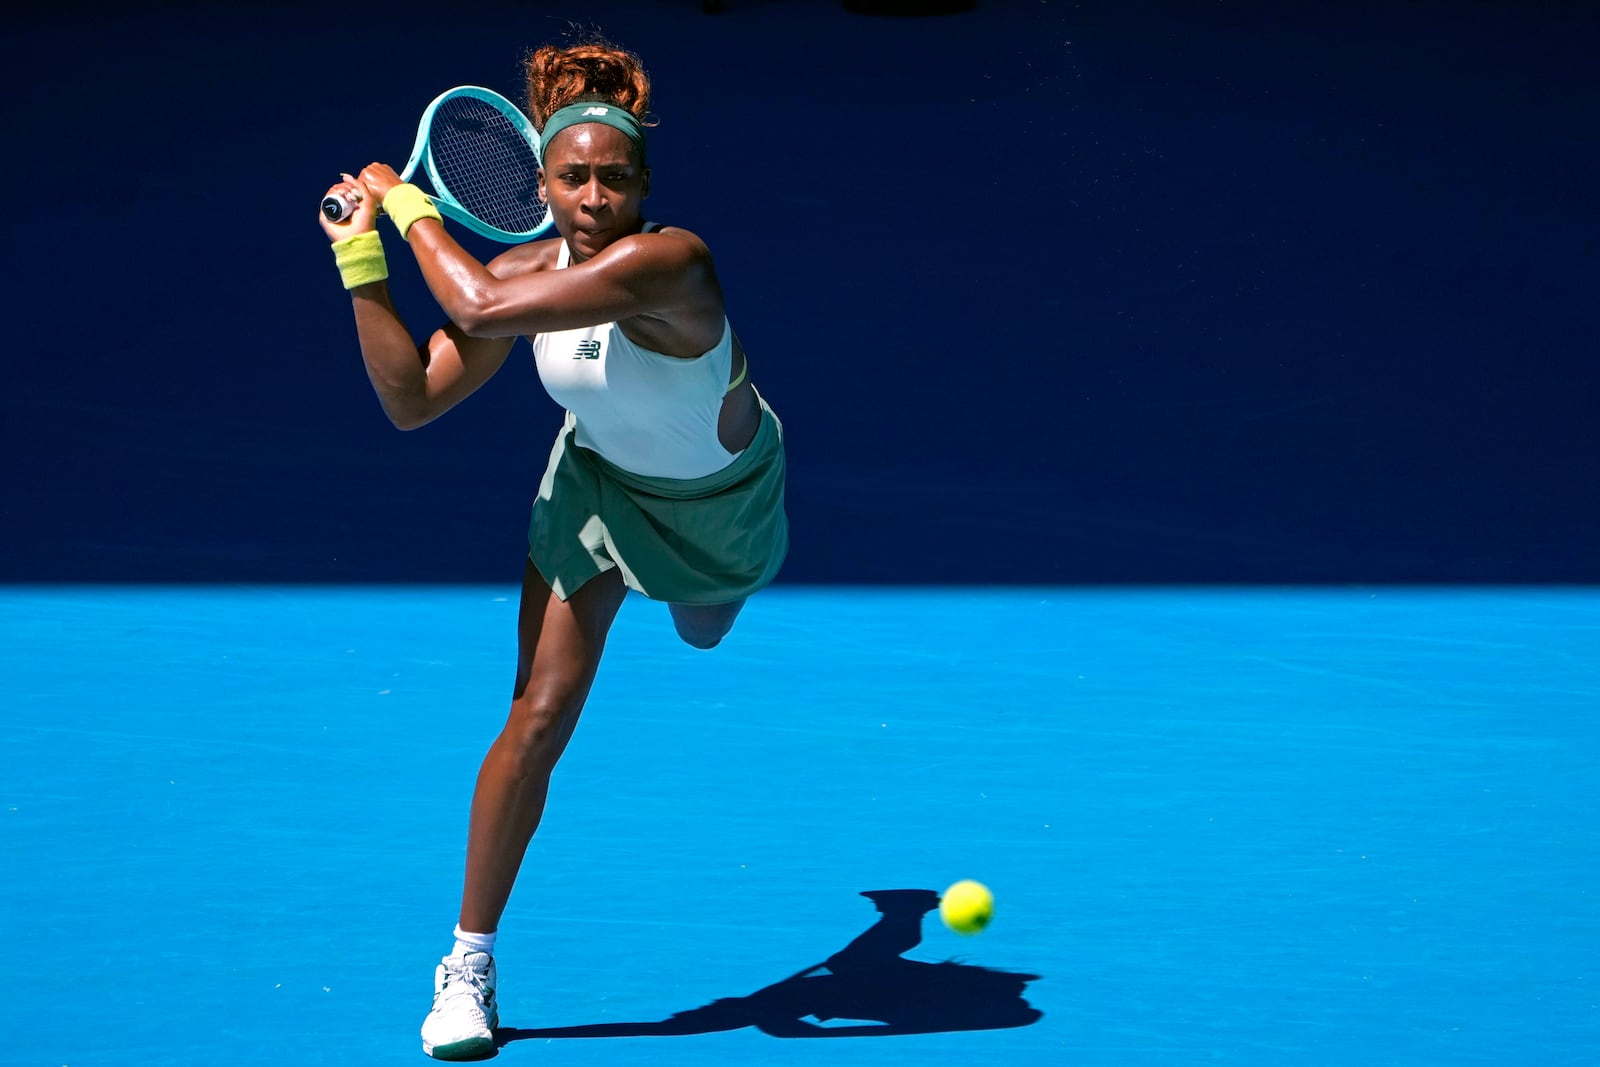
column 559, row 644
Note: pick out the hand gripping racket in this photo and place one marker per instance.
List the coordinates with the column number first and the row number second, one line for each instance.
column 481, row 155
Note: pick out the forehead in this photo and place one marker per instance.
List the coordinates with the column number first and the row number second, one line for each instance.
column 590, row 142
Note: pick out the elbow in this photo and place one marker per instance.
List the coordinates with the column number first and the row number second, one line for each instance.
column 475, row 327
column 407, row 416
column 473, row 314
column 482, row 324
column 481, row 313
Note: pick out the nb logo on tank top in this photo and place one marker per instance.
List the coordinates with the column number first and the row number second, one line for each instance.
column 587, row 350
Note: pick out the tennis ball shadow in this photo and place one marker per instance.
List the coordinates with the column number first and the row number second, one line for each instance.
column 868, row 984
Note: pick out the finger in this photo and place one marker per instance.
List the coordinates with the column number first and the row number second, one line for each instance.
column 351, row 191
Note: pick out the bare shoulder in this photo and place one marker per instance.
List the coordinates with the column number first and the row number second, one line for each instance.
column 700, row 250
column 670, row 251
column 526, row 258
column 672, row 242
column 677, row 233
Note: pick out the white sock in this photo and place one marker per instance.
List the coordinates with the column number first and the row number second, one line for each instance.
column 467, row 941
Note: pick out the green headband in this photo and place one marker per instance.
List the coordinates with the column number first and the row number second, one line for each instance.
column 618, row 118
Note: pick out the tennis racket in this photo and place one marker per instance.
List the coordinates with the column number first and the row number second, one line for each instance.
column 481, row 155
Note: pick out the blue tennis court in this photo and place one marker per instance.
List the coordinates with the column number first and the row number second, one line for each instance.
column 1238, row 826
column 1191, row 415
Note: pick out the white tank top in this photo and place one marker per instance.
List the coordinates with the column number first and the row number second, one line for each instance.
column 648, row 413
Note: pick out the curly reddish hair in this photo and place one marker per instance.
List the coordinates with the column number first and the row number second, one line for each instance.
column 592, row 69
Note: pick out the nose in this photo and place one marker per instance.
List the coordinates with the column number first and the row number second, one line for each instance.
column 594, row 196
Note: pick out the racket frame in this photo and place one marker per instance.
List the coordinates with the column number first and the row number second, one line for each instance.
column 422, row 153
column 443, row 199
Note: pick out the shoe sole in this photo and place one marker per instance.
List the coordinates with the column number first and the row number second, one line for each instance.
column 473, row 1048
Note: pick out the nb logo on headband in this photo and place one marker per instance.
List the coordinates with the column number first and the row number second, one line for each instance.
column 596, row 111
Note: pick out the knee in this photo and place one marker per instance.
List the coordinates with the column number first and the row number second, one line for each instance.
column 703, row 626
column 699, row 638
column 700, row 630
column 534, row 730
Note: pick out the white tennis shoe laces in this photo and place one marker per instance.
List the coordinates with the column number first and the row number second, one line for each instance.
column 461, row 1024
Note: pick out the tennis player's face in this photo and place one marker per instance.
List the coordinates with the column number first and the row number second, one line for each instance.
column 594, row 186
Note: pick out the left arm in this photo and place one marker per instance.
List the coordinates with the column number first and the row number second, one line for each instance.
column 643, row 274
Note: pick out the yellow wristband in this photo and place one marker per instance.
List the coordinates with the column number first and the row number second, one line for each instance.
column 360, row 259
column 405, row 204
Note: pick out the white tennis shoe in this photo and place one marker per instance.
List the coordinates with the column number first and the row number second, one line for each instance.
column 461, row 1024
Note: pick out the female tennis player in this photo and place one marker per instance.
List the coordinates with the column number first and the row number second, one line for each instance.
column 667, row 477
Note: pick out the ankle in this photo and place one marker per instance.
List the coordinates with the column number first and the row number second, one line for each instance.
column 467, row 941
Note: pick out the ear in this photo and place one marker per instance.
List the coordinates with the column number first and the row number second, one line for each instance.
column 543, row 197
column 646, row 194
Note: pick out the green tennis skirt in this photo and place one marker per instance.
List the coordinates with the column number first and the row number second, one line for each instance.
column 704, row 540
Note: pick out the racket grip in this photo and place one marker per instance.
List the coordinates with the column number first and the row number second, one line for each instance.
column 336, row 208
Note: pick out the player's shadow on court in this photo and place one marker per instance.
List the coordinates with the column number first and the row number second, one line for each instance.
column 867, row 984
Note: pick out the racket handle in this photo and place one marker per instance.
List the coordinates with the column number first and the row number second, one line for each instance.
column 337, row 208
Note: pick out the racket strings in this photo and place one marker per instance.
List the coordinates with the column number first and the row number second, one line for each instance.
column 483, row 161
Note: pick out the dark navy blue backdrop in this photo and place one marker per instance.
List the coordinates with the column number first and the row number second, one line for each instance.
column 1045, row 291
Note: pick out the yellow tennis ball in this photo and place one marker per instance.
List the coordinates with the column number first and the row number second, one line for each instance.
column 967, row 906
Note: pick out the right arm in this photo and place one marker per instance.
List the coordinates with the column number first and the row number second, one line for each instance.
column 414, row 383
column 418, row 383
